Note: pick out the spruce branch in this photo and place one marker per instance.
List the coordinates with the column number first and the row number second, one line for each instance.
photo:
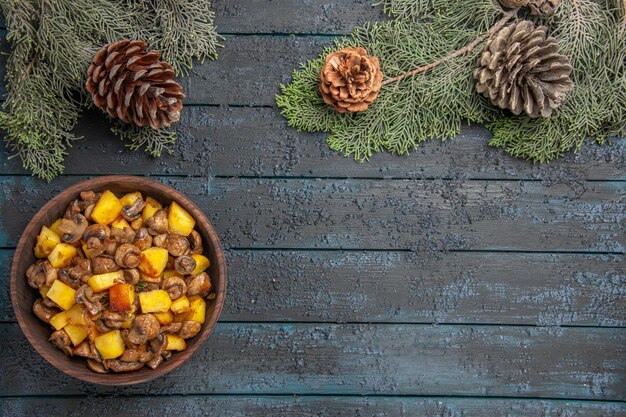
column 462, row 51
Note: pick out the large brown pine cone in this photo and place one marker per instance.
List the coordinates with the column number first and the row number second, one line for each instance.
column 350, row 80
column 543, row 7
column 131, row 84
column 522, row 70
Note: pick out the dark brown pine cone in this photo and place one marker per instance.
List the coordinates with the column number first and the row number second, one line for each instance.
column 132, row 84
column 350, row 80
column 543, row 7
column 522, row 70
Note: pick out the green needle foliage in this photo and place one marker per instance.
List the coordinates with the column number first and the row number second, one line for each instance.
column 52, row 45
column 433, row 104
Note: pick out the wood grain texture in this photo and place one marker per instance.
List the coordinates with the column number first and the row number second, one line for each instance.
column 361, row 359
column 395, row 214
column 23, row 297
column 290, row 406
column 231, row 141
column 401, row 287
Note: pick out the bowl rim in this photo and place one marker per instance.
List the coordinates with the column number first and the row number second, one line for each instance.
column 178, row 359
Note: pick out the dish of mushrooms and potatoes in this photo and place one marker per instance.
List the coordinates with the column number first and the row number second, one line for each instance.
column 122, row 280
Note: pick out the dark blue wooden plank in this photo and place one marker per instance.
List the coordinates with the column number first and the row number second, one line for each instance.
column 402, row 287
column 289, row 406
column 425, row 216
column 240, row 358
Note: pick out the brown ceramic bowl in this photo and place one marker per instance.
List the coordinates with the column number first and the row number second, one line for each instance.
column 23, row 296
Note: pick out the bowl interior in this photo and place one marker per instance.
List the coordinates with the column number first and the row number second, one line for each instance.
column 23, row 296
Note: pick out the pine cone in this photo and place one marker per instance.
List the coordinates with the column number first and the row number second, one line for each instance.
column 543, row 7
column 513, row 4
column 350, row 80
column 521, row 70
column 129, row 83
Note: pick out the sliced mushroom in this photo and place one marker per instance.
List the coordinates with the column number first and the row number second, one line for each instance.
column 158, row 344
column 86, row 350
column 88, row 196
column 155, row 362
column 72, row 228
column 89, row 211
column 175, row 287
column 176, row 245
column 132, row 212
column 157, row 224
column 127, row 256
column 93, row 303
column 160, row 240
column 113, row 319
column 123, row 234
column 97, row 367
column 184, row 264
column 189, row 329
column 104, row 264
column 118, row 366
column 81, row 270
column 132, row 276
column 43, row 312
column 72, row 210
column 138, row 354
column 195, row 242
column 172, row 328
column 94, row 238
column 199, row 285
column 102, row 327
column 36, row 274
column 110, row 246
column 143, row 239
column 145, row 327
column 66, row 278
column 61, row 340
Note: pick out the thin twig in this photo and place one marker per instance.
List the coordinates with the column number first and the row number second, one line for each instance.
column 467, row 48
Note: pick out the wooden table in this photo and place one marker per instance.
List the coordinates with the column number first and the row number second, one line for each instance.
column 454, row 281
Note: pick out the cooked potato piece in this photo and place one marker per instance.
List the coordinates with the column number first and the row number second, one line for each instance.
column 197, row 309
column 76, row 315
column 157, row 301
column 110, row 345
column 202, row 263
column 153, row 261
column 120, row 223
column 62, row 255
column 76, row 333
column 101, row 282
column 46, row 241
column 130, row 198
column 121, row 297
column 164, row 318
column 55, row 226
column 171, row 273
column 175, row 342
column 152, row 206
column 59, row 320
column 107, row 209
column 136, row 224
column 179, row 220
column 44, row 290
column 180, row 305
column 62, row 294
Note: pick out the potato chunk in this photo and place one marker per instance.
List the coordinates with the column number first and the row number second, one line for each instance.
column 152, row 206
column 46, row 241
column 110, row 345
column 197, row 309
column 153, row 261
column 62, row 294
column 157, row 301
column 59, row 320
column 164, row 318
column 120, row 223
column 76, row 333
column 175, row 342
column 202, row 263
column 130, row 198
column 76, row 315
column 180, row 305
column 101, row 282
column 62, row 255
column 121, row 297
column 107, row 209
column 55, row 226
column 179, row 220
